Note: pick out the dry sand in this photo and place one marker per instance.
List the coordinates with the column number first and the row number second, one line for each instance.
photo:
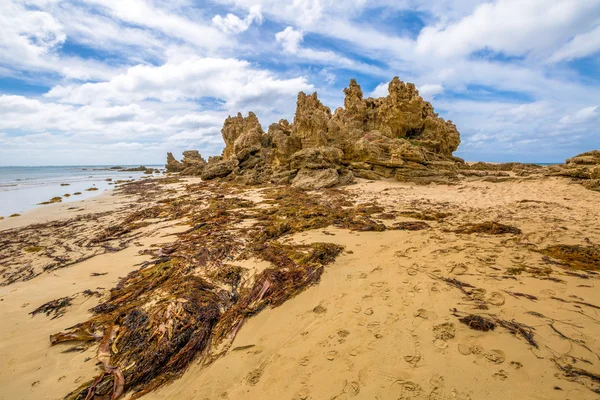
column 381, row 324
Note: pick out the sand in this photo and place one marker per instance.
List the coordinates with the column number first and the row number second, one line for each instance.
column 382, row 323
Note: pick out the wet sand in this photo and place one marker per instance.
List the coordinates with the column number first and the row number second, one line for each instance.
column 383, row 322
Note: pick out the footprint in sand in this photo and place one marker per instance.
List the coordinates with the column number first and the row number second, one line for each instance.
column 516, row 365
column 501, row 375
column 421, row 315
column 425, row 314
column 331, row 355
column 352, row 388
column 496, row 299
column 304, row 361
column 458, row 269
column 469, row 345
column 413, row 359
column 343, row 333
column 303, row 393
column 405, row 390
column 356, row 309
column 495, row 356
column 254, row 376
column 369, row 311
column 444, row 331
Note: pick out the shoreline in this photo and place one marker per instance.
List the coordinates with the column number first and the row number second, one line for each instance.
column 57, row 211
column 379, row 322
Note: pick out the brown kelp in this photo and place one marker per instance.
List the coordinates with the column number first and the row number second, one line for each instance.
column 194, row 296
column 584, row 258
column 490, row 227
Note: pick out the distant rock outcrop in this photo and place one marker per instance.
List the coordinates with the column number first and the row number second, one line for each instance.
column 172, row 164
column 584, row 168
column 398, row 136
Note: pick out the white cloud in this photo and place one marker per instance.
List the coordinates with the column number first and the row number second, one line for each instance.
column 235, row 82
column 580, row 46
column 430, row 90
column 290, row 39
column 585, row 115
column 514, row 27
column 197, row 32
column 380, row 90
column 231, row 23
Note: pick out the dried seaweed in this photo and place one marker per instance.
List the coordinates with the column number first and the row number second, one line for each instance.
column 56, row 308
column 481, row 323
column 575, row 257
column 193, row 297
column 525, row 295
column 425, row 215
column 491, row 228
column 478, row 323
column 410, row 226
column 458, row 284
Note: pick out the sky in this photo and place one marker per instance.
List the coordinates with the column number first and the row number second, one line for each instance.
column 125, row 81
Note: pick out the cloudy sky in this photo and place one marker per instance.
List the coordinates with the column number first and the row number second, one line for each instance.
column 125, row 81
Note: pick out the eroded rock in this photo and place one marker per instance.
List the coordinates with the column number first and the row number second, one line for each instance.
column 397, row 136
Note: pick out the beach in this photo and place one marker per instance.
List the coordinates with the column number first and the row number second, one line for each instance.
column 384, row 319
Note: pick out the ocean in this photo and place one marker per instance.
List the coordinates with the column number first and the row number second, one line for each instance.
column 23, row 188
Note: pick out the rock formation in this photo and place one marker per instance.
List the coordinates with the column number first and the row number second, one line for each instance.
column 398, row 136
column 172, row 164
column 192, row 163
column 583, row 168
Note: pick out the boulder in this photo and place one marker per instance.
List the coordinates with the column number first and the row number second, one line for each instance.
column 218, row 169
column 314, row 179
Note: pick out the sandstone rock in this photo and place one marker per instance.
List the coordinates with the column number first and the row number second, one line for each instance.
column 317, row 158
column 346, row 177
column 394, row 136
column 192, row 164
column 284, row 144
column 192, row 158
column 247, row 144
column 589, row 158
column 311, row 121
column 314, row 179
column 172, row 164
column 366, row 174
column 219, row 169
column 234, row 127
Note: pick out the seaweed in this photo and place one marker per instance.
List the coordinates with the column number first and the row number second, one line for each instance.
column 491, row 227
column 56, row 308
column 517, row 294
column 56, row 199
column 190, row 301
column 410, row 226
column 425, row 215
column 478, row 323
column 583, row 258
column 481, row 323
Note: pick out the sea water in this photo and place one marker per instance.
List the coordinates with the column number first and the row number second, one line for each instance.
column 23, row 188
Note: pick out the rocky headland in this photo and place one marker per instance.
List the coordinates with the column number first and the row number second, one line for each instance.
column 397, row 136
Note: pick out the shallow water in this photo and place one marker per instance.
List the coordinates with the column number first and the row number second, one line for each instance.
column 23, row 188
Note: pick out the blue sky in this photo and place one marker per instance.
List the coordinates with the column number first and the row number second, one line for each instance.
column 125, row 81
